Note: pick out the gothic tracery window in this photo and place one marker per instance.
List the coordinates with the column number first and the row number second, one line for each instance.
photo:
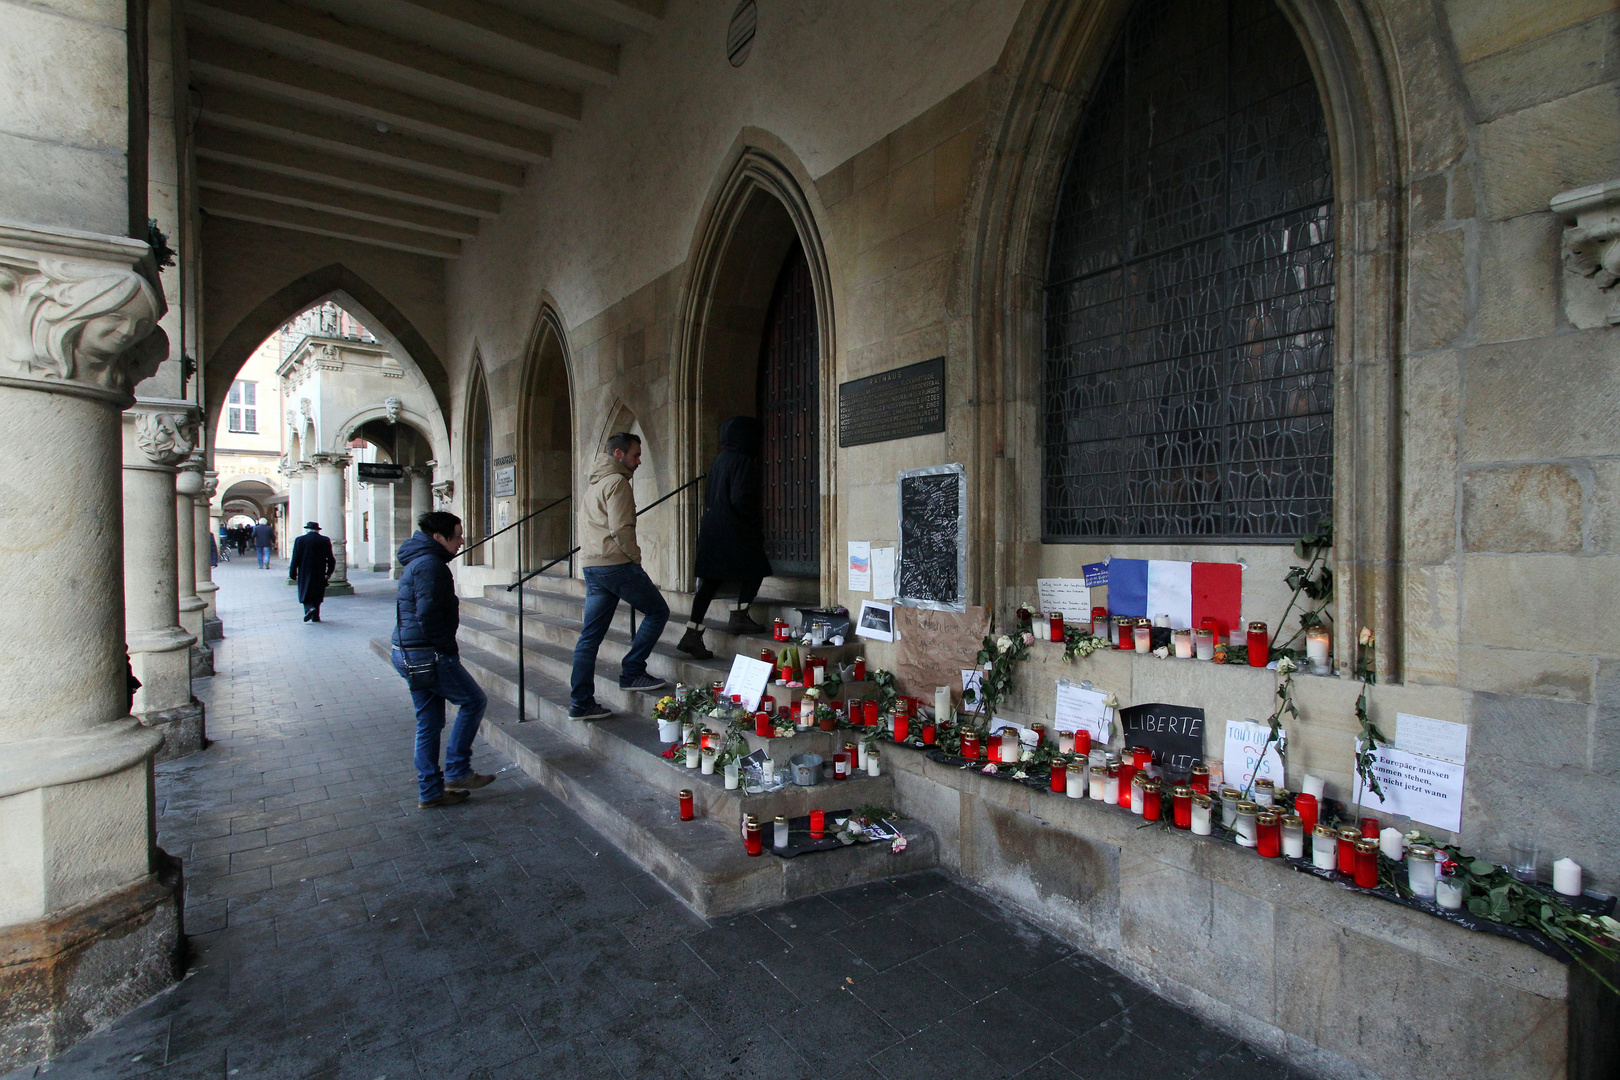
column 1188, row 366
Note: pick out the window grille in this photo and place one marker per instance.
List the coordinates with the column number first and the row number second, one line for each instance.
column 242, row 407
column 1188, row 362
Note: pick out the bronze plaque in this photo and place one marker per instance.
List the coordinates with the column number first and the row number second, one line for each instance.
column 894, row 404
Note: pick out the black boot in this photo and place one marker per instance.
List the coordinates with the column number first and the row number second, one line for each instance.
column 740, row 623
column 692, row 644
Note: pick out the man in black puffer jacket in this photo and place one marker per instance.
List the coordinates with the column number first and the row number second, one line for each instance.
column 428, row 615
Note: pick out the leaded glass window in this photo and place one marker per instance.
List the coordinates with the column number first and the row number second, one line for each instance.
column 1188, row 363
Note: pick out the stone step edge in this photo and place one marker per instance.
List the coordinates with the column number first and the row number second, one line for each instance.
column 715, row 637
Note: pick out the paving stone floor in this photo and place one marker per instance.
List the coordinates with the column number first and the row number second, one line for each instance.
column 338, row 931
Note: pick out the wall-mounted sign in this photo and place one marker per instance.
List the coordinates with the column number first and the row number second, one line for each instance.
column 933, row 538
column 505, row 481
column 506, row 459
column 894, row 404
column 379, row 472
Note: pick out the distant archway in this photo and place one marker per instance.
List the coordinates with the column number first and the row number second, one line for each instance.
column 546, row 441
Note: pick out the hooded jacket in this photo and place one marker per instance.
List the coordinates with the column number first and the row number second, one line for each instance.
column 429, row 613
column 731, row 536
column 608, row 537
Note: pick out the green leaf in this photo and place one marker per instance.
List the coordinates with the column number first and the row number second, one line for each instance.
column 1478, row 906
column 1481, row 868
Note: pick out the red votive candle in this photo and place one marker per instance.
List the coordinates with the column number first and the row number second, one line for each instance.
column 768, row 656
column 1153, row 801
column 786, row 674
column 840, row 766
column 902, row 727
column 818, row 824
column 762, row 724
column 1259, row 645
column 1213, row 625
column 1040, row 733
column 1268, row 833
column 1199, row 779
column 1054, row 624
column 1060, row 777
column 1082, row 743
column 687, row 811
column 1181, row 806
column 767, row 704
column 1347, row 850
column 1369, row 828
column 1127, row 634
column 1141, row 757
column 860, row 669
column 970, row 745
column 928, row 734
column 992, row 749
column 752, row 842
column 1127, row 773
column 1367, row 863
column 1305, row 806
column 869, row 711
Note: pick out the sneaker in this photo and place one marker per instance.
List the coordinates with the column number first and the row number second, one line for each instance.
column 470, row 781
column 449, row 798
column 643, row 682
column 591, row 711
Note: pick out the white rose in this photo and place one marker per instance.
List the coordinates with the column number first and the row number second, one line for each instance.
column 1286, row 666
column 1003, row 643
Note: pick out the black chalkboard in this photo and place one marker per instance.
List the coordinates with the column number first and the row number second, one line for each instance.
column 1175, row 734
column 933, row 525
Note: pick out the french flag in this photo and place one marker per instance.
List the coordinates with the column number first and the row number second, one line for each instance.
column 1186, row 591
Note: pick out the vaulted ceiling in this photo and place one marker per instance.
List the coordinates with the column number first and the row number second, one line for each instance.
column 399, row 123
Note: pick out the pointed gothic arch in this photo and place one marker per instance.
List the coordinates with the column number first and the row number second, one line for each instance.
column 478, row 464
column 545, row 438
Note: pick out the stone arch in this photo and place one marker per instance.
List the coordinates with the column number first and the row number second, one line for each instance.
column 335, row 281
column 762, row 204
column 545, row 437
column 430, row 429
column 1051, row 61
column 478, row 448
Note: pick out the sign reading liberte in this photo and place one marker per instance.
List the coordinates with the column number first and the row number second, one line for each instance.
column 896, row 404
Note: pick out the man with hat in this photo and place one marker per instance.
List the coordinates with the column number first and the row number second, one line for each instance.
column 311, row 565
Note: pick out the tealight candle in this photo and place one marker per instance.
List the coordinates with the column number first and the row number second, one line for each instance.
column 687, row 810
column 1076, row 783
column 1448, row 893
column 1348, row 837
column 1183, row 642
column 1181, row 806
column 1324, row 848
column 1204, row 644
column 1111, row 786
column 1314, row 786
column 1367, row 863
column 1567, row 877
column 1142, row 636
column 1293, row 836
column 1203, row 810
column 780, row 840
column 1316, row 649
column 1259, row 645
column 1393, row 844
column 1097, row 784
column 874, row 762
column 1244, row 825
column 1420, row 871
column 1265, row 791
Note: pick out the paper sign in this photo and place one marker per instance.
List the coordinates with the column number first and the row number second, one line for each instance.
column 1070, row 596
column 1079, row 709
column 876, row 622
column 748, row 677
column 1424, row 789
column 503, row 516
column 1243, row 743
column 1431, row 738
column 1175, row 733
column 860, row 566
column 883, row 573
column 971, row 678
column 1095, row 574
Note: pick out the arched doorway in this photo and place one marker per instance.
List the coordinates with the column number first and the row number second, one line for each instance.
column 787, row 403
column 480, row 467
column 546, row 461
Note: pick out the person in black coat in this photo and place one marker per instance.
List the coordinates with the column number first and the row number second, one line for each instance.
column 731, row 536
column 311, row 564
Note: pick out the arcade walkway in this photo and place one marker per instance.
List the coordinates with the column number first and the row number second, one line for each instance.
column 337, row 931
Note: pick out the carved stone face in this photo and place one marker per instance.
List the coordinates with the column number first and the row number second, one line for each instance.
column 107, row 337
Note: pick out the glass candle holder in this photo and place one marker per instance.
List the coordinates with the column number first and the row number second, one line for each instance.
column 1265, row 792
column 1011, row 745
column 1040, row 734
column 1203, row 813
column 1054, row 625
column 1347, row 849
column 1183, row 641
column 1244, row 825
column 1420, row 871
column 1293, row 836
column 1324, row 848
column 752, row 841
column 780, row 839
column 818, row 824
column 1204, row 644
column 1099, row 622
column 902, row 727
column 1181, row 806
column 1111, row 786
column 1268, row 832
column 1317, row 643
column 1082, row 744
column 1120, row 627
column 869, row 713
column 1127, row 776
column 1198, row 778
column 730, row 772
column 1259, row 645
column 1065, row 742
column 1141, row 757
column 859, row 674
column 1076, row 783
column 1307, row 808
column 762, row 724
column 1152, row 801
column 1097, row 782
column 1448, row 893
column 1230, row 796
column 1367, row 863
column 1369, row 827
column 1138, row 802
column 1059, row 780
column 688, row 811
column 693, row 755
column 970, row 745
column 874, row 762
column 929, row 734
column 1142, row 636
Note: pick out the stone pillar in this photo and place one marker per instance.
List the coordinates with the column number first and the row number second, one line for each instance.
column 89, row 907
column 382, row 527
column 188, row 486
column 330, row 472
column 158, row 436
column 421, row 477
column 295, row 499
column 207, row 538
column 309, row 498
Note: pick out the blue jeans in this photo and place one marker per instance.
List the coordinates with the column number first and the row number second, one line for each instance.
column 605, row 586
column 456, row 686
column 264, row 557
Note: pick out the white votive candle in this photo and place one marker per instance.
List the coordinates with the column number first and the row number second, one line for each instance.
column 861, row 752
column 1324, row 848
column 1202, row 811
column 1393, row 844
column 1065, row 740
column 731, row 775
column 942, row 704
column 1098, row 785
column 1075, row 780
column 1184, row 644
column 780, row 840
column 873, row 763
column 1011, row 746
column 1316, row 649
column 1448, row 893
column 692, row 756
column 1111, row 790
column 707, row 762
column 767, row 770
column 1314, row 786
column 1567, row 877
column 1420, row 871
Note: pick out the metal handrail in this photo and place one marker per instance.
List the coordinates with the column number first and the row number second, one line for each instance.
column 575, row 551
column 515, row 524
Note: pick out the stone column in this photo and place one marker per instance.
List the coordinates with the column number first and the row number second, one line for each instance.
column 330, row 471
column 158, row 436
column 89, row 916
column 421, row 477
column 309, row 498
column 188, row 486
column 295, row 498
column 203, row 521
column 382, row 527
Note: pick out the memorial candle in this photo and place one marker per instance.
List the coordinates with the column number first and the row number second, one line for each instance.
column 1420, row 871
column 1293, row 836
column 1076, row 784
column 1347, row 849
column 1141, row 757
column 1567, row 877
column 850, row 754
column 874, row 762
column 818, row 824
column 1127, row 776
column 707, row 756
column 816, row 673
column 1142, row 636
column 1448, row 893
column 693, row 756
column 1324, row 848
column 1184, row 643
column 1204, row 644
column 1229, row 801
column 1097, row 782
column 902, row 727
column 1099, row 622
column 732, row 769
column 970, row 745
column 1060, row 777
column 1181, row 797
column 869, row 713
column 859, row 674
column 1203, row 812
column 780, row 839
column 1011, row 745
column 1198, row 778
column 688, row 812
column 1268, row 832
column 1152, row 801
column 1314, row 786
column 1265, row 792
column 1082, row 743
column 1369, row 827
column 1316, row 649
column 1307, row 809
column 1393, row 844
column 862, row 750
column 1065, row 742
column 1138, row 802
column 762, row 724
column 992, row 749
column 1367, row 863
column 752, row 841
column 1040, row 734
column 928, row 734
column 1054, row 625
column 1111, row 786
column 840, row 766
column 942, row 704
column 1123, row 628
column 1244, row 824
column 1259, row 645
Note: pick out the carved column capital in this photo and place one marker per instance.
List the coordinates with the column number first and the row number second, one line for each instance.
column 76, row 313
column 1591, row 253
column 443, row 492
column 189, row 481
column 165, row 432
column 210, row 484
column 331, row 461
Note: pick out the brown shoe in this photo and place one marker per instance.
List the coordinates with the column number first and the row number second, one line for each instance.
column 469, row 782
column 449, row 798
column 692, row 645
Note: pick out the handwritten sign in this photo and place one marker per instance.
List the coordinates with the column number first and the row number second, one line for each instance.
column 1175, row 733
column 1243, row 743
column 1079, row 709
column 1424, row 789
column 1431, row 738
column 1070, row 596
column 883, row 573
column 748, row 677
column 935, row 645
column 1096, row 574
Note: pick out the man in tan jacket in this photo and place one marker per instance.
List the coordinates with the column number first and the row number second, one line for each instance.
column 613, row 572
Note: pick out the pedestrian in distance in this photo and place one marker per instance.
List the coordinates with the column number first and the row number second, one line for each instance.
column 311, row 565
column 731, row 536
column 612, row 562
column 427, row 615
column 264, row 538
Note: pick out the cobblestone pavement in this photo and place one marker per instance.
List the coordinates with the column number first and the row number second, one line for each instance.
column 338, row 931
